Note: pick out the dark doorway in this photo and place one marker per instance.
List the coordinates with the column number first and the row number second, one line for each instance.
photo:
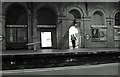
column 46, row 20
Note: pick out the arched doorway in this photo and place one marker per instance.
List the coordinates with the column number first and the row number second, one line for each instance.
column 73, row 31
column 75, row 27
column 46, row 21
column 16, row 27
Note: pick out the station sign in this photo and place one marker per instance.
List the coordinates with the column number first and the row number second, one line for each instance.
column 1, row 37
column 87, row 37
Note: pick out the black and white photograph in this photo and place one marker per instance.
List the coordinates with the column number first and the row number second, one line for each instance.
column 60, row 38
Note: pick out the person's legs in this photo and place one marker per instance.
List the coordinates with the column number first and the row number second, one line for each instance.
column 73, row 43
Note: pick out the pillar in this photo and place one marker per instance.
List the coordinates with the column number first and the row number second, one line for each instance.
column 30, row 15
column 110, row 35
column 3, row 32
column 79, row 34
column 34, row 36
column 36, row 33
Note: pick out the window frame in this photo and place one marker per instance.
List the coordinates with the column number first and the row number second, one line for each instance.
column 16, row 27
column 116, row 28
column 98, row 27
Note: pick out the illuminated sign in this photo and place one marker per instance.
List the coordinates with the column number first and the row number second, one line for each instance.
column 16, row 25
column 46, row 26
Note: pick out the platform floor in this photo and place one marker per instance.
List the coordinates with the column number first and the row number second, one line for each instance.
column 102, row 69
column 52, row 51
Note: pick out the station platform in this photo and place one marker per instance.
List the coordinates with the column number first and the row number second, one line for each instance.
column 52, row 51
column 79, row 61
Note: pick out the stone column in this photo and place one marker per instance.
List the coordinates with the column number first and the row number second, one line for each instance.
column 58, row 30
column 36, row 34
column 83, row 33
column 29, row 28
column 34, row 31
column 110, row 40
column 79, row 34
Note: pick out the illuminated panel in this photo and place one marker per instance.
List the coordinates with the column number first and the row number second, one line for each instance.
column 46, row 39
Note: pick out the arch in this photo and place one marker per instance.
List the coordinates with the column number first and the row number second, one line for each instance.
column 82, row 13
column 46, row 16
column 75, row 13
column 10, row 5
column 16, row 27
column 16, row 14
column 117, row 18
column 101, row 10
column 99, row 13
column 98, row 17
column 115, row 12
column 46, row 5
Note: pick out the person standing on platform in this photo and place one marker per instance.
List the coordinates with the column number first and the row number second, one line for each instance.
column 73, row 39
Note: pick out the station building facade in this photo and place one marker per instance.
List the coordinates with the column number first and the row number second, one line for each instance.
column 95, row 24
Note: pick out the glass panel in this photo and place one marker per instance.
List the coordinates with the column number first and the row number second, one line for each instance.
column 95, row 33
column 117, row 34
column 46, row 39
column 21, row 35
column 11, row 35
column 103, row 34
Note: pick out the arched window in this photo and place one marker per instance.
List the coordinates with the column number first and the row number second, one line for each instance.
column 98, row 29
column 16, row 27
column 98, row 18
column 117, row 19
column 75, row 13
column 117, row 27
